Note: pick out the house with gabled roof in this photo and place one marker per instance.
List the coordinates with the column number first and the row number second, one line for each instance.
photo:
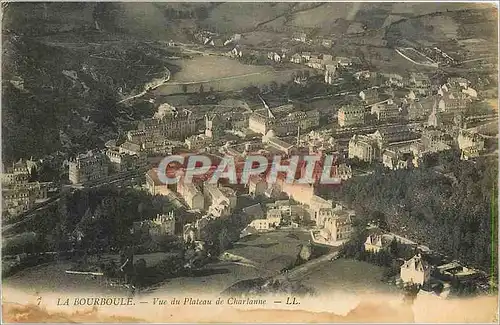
column 415, row 271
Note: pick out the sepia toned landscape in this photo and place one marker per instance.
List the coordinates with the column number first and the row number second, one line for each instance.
column 368, row 132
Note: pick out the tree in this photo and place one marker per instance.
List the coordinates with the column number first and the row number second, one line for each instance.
column 380, row 220
column 273, row 86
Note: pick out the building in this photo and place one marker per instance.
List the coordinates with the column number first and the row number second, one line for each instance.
column 375, row 243
column 452, row 103
column 369, row 96
column 363, row 147
column 351, row 115
column 274, row 216
column 456, row 270
column 306, row 56
column 343, row 61
column 263, row 224
column 154, row 185
column 130, row 148
column 363, row 75
column 16, row 174
column 325, row 42
column 393, row 159
column 338, row 227
column 471, row 144
column 236, row 51
column 120, row 161
column 418, row 150
column 196, row 142
column 316, row 63
column 467, row 139
column 386, row 111
column 434, row 119
column 300, row 37
column 330, row 71
column 432, row 138
column 221, row 201
column 394, row 79
column 88, row 167
column 415, row 271
column 273, row 56
column 394, row 135
column 163, row 225
column 344, row 171
column 194, row 198
column 280, row 145
column 318, row 208
column 178, row 125
column 420, row 83
column 21, row 197
column 297, row 58
column 18, row 193
column 469, row 153
column 302, row 193
column 257, row 185
column 283, row 120
column 458, row 82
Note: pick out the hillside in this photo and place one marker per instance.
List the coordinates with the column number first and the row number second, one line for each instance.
column 453, row 216
column 66, row 65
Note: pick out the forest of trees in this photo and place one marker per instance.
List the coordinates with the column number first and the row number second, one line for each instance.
column 92, row 219
column 451, row 209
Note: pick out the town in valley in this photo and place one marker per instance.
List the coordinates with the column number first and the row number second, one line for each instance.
column 404, row 96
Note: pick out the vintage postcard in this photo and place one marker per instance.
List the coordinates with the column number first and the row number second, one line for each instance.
column 249, row 162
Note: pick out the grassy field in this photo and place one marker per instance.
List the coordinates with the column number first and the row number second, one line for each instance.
column 272, row 251
column 346, row 275
column 202, row 68
column 240, row 17
column 221, row 74
column 52, row 276
column 213, row 279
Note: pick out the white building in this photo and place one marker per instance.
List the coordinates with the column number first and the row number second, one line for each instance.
column 467, row 139
column 375, row 243
column 415, row 271
column 338, row 226
column 330, row 73
column 263, row 224
column 221, row 200
column 193, row 197
column 363, row 147
column 163, row 225
column 198, row 141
